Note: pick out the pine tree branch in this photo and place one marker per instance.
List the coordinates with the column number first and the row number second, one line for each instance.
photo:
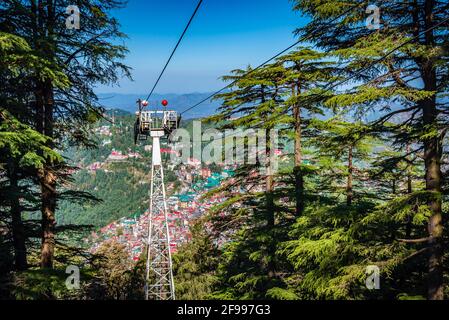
column 83, row 47
column 421, row 240
column 416, row 253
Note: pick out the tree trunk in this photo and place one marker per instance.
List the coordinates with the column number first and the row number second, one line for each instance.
column 48, row 186
column 43, row 16
column 48, row 206
column 433, row 184
column 18, row 230
column 271, row 220
column 435, row 226
column 408, row 227
column 299, row 178
column 47, row 183
column 269, row 202
column 432, row 160
column 349, row 191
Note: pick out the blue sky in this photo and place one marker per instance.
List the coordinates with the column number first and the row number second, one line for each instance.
column 226, row 34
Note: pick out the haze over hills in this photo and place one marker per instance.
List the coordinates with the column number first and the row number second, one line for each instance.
column 178, row 102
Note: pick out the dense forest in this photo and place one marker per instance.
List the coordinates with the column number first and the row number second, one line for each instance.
column 362, row 118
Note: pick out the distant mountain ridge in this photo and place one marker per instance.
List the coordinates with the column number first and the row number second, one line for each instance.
column 178, row 102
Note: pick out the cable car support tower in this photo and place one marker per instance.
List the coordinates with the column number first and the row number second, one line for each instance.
column 158, row 124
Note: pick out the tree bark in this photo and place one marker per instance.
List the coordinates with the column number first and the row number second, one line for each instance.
column 47, row 181
column 432, row 160
column 435, row 226
column 43, row 16
column 48, row 206
column 269, row 202
column 299, row 178
column 18, row 230
column 349, row 191
column 408, row 227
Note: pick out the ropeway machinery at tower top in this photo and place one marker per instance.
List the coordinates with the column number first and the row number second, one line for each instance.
column 148, row 121
column 157, row 125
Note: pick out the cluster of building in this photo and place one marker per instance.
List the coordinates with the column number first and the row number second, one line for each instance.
column 118, row 156
column 114, row 156
column 95, row 166
column 183, row 209
column 104, row 131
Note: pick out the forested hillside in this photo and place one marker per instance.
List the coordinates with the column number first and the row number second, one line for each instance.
column 120, row 186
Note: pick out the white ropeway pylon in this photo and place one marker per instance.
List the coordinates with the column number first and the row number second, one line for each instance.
column 157, row 124
column 159, row 283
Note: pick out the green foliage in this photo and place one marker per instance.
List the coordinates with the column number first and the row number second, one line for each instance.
column 107, row 275
column 195, row 266
column 25, row 145
column 114, row 273
column 370, row 151
column 47, row 101
column 36, row 284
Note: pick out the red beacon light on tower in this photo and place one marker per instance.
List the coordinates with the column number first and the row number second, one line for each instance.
column 148, row 121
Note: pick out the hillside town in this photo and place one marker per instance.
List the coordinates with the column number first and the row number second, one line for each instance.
column 184, row 207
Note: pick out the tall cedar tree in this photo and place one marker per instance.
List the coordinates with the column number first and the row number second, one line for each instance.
column 345, row 142
column 253, row 216
column 87, row 57
column 306, row 71
column 23, row 149
column 195, row 264
column 412, row 80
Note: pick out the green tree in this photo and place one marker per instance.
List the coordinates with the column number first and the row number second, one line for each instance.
column 345, row 143
column 61, row 111
column 113, row 268
column 306, row 71
column 195, row 265
column 409, row 77
column 24, row 150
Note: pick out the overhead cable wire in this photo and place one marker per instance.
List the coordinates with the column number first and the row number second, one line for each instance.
column 302, row 39
column 175, row 48
column 376, row 61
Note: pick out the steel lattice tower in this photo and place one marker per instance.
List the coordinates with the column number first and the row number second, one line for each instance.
column 159, row 261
